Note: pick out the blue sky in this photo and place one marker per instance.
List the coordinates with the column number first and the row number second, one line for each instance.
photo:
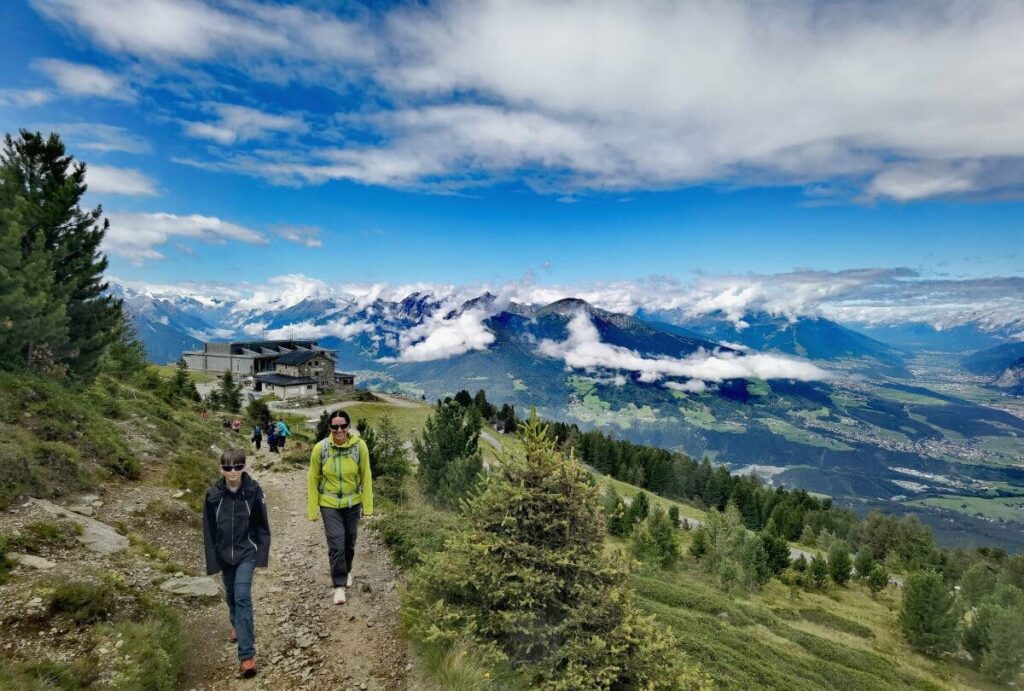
column 577, row 143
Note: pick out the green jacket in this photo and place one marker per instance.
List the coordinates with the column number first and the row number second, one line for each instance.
column 335, row 483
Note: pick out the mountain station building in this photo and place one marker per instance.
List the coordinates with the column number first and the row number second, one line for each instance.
column 287, row 369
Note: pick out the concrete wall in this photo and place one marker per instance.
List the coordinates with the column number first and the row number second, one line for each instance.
column 287, row 392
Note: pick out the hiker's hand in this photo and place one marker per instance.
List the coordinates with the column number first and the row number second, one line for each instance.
column 371, row 516
column 314, row 518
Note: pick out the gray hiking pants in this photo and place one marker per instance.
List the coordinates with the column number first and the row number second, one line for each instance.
column 340, row 527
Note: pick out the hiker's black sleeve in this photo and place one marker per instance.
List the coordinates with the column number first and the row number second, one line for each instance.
column 210, row 540
column 261, row 527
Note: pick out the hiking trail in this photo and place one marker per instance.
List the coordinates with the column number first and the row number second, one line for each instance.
column 303, row 641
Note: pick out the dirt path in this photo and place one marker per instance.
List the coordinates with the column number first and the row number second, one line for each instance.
column 304, row 641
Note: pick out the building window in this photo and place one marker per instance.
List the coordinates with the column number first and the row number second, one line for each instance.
column 309, row 386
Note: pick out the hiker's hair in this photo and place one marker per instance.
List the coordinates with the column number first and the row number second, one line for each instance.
column 232, row 457
column 340, row 413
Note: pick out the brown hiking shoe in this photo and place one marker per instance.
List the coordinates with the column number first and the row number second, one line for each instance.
column 248, row 667
column 233, row 636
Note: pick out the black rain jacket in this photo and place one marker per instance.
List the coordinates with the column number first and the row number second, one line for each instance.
column 236, row 526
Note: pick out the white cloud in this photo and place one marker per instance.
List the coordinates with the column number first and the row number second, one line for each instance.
column 308, row 236
column 286, row 291
column 96, row 136
column 909, row 182
column 240, row 123
column 136, row 236
column 24, row 98
column 583, row 349
column 439, row 338
column 123, row 181
column 690, row 386
column 341, row 328
column 85, row 80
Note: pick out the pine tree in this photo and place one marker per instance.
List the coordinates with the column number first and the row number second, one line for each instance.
column 528, row 578
column 31, row 321
column 228, row 394
column 863, row 563
column 1003, row 658
column 391, row 464
column 929, row 615
column 181, row 385
column 977, row 583
column 323, row 425
column 817, row 570
column 839, row 563
column 639, row 507
column 258, row 413
column 615, row 513
column 877, row 579
column 655, row 540
column 449, row 454
column 38, row 171
column 369, row 436
column 777, row 552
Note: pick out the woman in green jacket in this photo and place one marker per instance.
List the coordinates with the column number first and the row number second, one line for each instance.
column 339, row 488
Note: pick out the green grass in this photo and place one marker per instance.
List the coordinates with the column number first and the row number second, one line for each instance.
column 45, row 675
column 167, row 371
column 996, row 508
column 153, row 651
column 82, row 602
column 802, row 436
column 408, row 420
column 907, row 396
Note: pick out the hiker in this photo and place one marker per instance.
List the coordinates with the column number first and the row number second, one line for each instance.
column 236, row 533
column 272, row 438
column 225, row 423
column 257, row 436
column 282, row 433
column 339, row 488
column 236, row 425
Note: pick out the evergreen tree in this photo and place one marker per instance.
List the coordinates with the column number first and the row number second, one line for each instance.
column 463, row 398
column 369, row 435
column 323, row 425
column 776, row 551
column 228, row 394
column 639, row 507
column 877, row 579
column 391, row 464
column 126, row 355
column 863, row 563
column 673, row 516
column 258, row 413
column 37, row 171
column 655, row 540
column 729, row 551
column 33, row 322
column 929, row 614
column 449, row 454
column 977, row 583
column 839, row 563
column 181, row 385
column 817, row 571
column 615, row 513
column 529, row 579
column 1003, row 658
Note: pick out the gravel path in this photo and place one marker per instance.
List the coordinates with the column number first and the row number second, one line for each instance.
column 303, row 640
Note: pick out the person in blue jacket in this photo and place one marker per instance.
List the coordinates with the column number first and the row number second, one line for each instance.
column 236, row 534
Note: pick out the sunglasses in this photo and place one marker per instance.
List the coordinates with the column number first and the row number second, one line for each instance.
column 339, row 427
column 236, row 467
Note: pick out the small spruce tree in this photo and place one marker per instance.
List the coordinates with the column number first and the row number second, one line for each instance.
column 817, row 570
column 863, row 563
column 929, row 615
column 877, row 579
column 529, row 579
column 655, row 541
column 323, row 425
column 839, row 563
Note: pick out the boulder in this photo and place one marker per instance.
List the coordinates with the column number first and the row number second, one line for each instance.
column 31, row 561
column 194, row 586
column 96, row 536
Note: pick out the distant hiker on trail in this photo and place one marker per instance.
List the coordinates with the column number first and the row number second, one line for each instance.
column 225, row 423
column 282, row 432
column 339, row 487
column 272, row 438
column 257, row 436
column 236, row 425
column 236, row 533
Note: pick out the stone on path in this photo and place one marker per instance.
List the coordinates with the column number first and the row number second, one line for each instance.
column 196, row 586
column 83, row 509
column 96, row 536
column 31, row 561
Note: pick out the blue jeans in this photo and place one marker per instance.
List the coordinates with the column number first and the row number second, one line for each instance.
column 238, row 593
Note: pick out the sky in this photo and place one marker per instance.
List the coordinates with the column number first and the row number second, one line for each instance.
column 571, row 144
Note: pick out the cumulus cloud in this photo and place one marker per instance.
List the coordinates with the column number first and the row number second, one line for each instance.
column 285, row 291
column 893, row 101
column 85, row 80
column 583, row 349
column 136, row 236
column 308, row 236
column 124, row 181
column 439, row 338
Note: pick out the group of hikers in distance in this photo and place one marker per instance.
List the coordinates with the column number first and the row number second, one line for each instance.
column 236, row 523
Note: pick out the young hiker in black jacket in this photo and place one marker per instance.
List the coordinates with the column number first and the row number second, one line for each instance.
column 236, row 533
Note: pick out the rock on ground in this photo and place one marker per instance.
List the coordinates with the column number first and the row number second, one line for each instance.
column 96, row 536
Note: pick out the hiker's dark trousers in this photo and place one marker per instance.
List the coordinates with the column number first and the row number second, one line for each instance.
column 238, row 593
column 340, row 526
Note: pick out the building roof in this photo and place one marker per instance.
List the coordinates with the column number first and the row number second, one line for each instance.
column 296, row 357
column 284, row 380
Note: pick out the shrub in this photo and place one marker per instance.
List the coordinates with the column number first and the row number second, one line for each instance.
column 83, row 602
column 6, row 563
column 527, row 577
column 877, row 579
column 153, row 651
column 45, row 675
